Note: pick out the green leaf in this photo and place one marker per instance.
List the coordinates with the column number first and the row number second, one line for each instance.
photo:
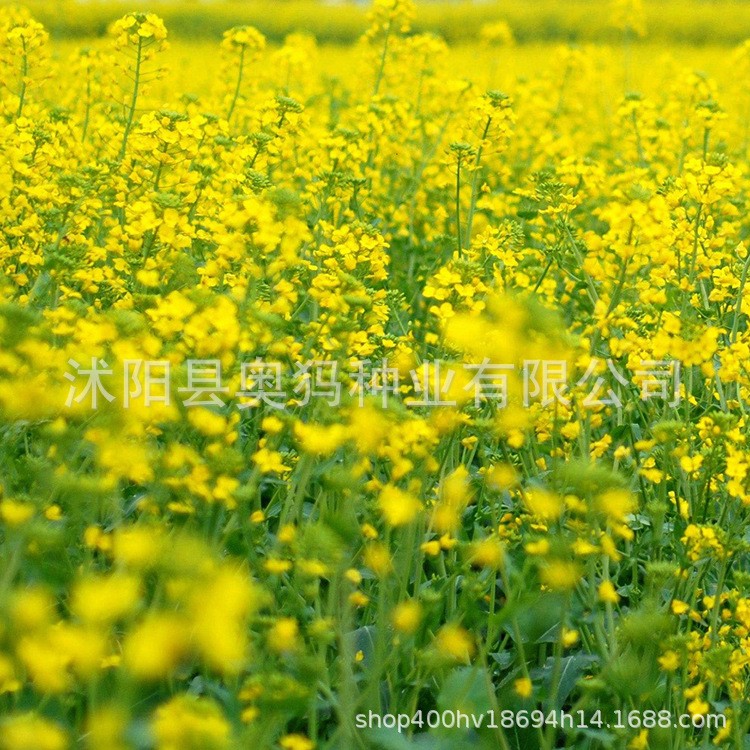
column 388, row 739
column 465, row 690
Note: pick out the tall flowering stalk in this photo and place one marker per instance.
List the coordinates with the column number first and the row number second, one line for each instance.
column 387, row 19
column 140, row 34
column 247, row 43
column 24, row 45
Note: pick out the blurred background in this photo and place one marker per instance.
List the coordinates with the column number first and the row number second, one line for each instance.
column 694, row 22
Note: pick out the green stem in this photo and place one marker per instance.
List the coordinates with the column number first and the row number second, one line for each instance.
column 239, row 84
column 88, row 108
column 694, row 258
column 24, row 73
column 474, row 181
column 383, row 57
column 738, row 305
column 134, row 100
column 458, row 204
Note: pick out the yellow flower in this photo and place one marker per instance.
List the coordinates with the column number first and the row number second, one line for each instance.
column 691, row 464
column 277, row 567
column 15, row 513
column 616, row 504
column 698, row 707
column 353, row 576
column 669, row 661
column 53, row 513
column 431, row 548
column 455, row 490
column 398, row 507
column 501, row 476
column 282, row 637
column 359, row 599
column 272, row 425
column 270, row 461
column 149, row 278
column 105, row 599
column 455, row 643
column 447, row 542
column 543, row 504
column 487, row 553
column 218, row 610
column 208, row 422
column 31, row 608
column 538, row 547
column 156, row 646
column 191, row 723
column 312, row 568
column 30, row 732
column 446, row 517
column 607, row 593
column 286, row 534
column 138, row 26
column 320, row 440
column 105, row 729
column 497, row 34
column 406, row 616
column 8, row 681
column 640, row 741
column 95, row 538
column 244, row 37
column 296, row 742
column 583, row 548
column 523, row 687
column 378, row 559
column 137, row 546
column 679, row 607
column 560, row 575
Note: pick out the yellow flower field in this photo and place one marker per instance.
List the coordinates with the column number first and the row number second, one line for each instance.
column 389, row 395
